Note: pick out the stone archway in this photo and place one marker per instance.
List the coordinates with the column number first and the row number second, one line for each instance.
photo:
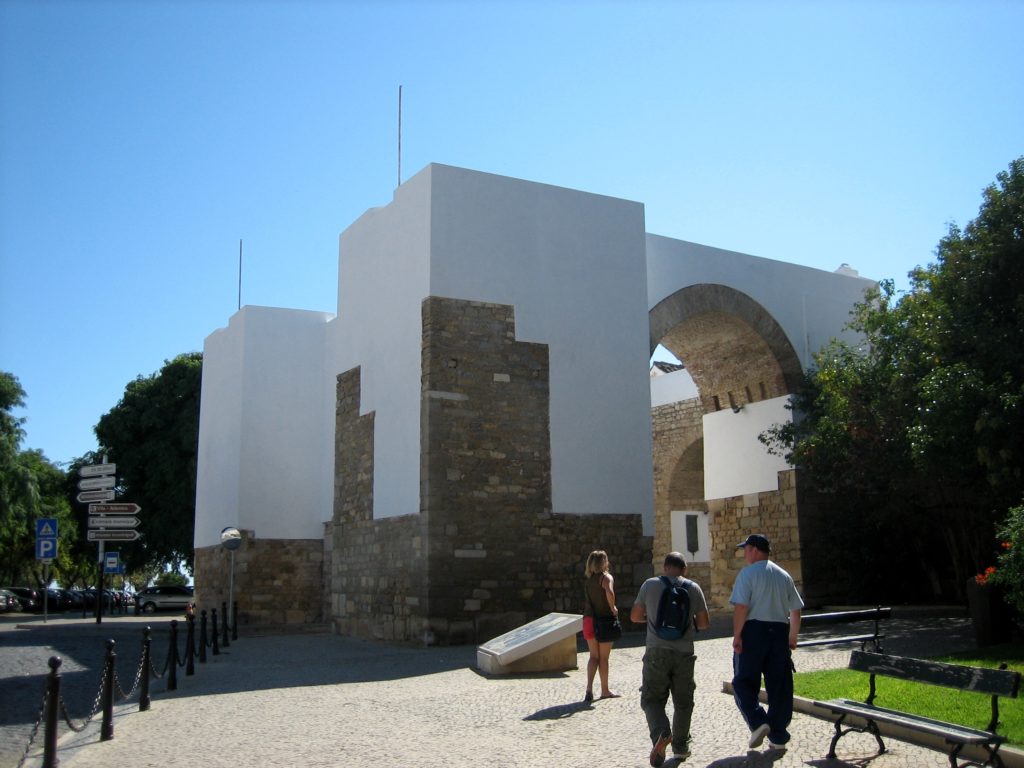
column 738, row 355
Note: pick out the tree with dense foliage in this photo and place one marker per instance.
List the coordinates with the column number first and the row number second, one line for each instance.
column 31, row 487
column 915, row 437
column 152, row 435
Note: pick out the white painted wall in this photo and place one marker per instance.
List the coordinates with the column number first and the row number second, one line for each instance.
column 811, row 305
column 573, row 265
column 735, row 462
column 383, row 277
column 672, row 387
column 260, row 429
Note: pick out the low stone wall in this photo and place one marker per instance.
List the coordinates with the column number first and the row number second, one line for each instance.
column 773, row 513
column 276, row 581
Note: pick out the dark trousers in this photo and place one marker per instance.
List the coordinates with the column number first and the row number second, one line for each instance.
column 765, row 652
column 668, row 672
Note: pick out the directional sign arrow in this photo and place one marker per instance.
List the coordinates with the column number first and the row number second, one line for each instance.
column 112, row 535
column 97, row 483
column 114, row 521
column 85, row 496
column 120, row 508
column 97, row 469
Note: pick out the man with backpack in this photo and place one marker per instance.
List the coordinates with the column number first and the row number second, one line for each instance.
column 672, row 607
column 765, row 624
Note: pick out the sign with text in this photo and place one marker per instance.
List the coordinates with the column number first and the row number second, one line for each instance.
column 119, row 508
column 87, row 496
column 97, row 483
column 112, row 534
column 93, row 470
column 114, row 521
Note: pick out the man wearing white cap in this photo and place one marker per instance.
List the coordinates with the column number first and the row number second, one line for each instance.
column 765, row 623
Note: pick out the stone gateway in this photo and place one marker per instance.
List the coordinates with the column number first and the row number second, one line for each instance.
column 433, row 462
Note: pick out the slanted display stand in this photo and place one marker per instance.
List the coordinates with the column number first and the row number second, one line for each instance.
column 547, row 644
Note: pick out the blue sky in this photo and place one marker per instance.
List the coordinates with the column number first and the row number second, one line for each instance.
column 139, row 141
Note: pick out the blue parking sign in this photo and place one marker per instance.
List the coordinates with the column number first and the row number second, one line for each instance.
column 46, row 549
column 46, row 538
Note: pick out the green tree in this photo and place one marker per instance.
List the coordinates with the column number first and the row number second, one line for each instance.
column 152, row 435
column 31, row 487
column 915, row 436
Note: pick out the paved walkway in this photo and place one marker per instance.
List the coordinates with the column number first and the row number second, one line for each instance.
column 321, row 700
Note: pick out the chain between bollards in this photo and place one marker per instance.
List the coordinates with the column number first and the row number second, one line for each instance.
column 213, row 620
column 226, row 641
column 202, row 637
column 144, row 700
column 52, row 707
column 172, row 676
column 190, row 651
column 107, row 729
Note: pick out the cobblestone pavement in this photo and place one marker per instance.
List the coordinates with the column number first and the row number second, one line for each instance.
column 322, row 700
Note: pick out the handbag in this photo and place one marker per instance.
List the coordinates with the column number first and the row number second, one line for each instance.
column 607, row 628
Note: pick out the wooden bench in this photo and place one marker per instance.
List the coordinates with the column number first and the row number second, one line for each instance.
column 996, row 682
column 874, row 638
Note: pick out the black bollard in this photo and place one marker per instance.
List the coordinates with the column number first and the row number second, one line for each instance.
column 172, row 666
column 107, row 729
column 52, row 708
column 234, row 621
column 224, row 612
column 213, row 619
column 144, row 700
column 190, row 651
column 202, row 637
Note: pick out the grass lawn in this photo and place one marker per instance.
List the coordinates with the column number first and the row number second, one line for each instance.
column 971, row 709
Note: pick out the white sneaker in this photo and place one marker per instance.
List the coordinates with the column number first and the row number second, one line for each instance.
column 757, row 735
column 779, row 747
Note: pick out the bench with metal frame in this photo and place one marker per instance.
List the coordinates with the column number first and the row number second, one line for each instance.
column 982, row 680
column 876, row 615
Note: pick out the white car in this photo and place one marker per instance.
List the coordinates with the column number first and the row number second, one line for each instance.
column 170, row 598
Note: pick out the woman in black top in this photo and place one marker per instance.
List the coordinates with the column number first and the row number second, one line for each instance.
column 600, row 602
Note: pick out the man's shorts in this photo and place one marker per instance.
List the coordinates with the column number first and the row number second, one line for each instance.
column 588, row 628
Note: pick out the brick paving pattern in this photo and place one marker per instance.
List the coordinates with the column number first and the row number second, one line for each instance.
column 322, row 700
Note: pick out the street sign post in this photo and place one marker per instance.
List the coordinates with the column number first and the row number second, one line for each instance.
column 111, row 562
column 112, row 534
column 87, row 496
column 114, row 521
column 120, row 508
column 94, row 470
column 104, row 483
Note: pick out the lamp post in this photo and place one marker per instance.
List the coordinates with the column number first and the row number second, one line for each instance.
column 231, row 539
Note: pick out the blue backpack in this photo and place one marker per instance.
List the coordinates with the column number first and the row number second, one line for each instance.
column 673, row 610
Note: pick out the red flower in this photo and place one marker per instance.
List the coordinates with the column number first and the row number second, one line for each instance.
column 982, row 578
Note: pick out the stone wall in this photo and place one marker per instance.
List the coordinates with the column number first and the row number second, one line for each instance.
column 485, row 553
column 378, row 576
column 276, row 581
column 678, row 439
column 773, row 513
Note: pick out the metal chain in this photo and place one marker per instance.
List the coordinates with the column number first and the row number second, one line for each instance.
column 95, row 708
column 120, row 690
column 35, row 729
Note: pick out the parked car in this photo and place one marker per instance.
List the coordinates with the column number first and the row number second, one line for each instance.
column 153, row 599
column 31, row 600
column 9, row 601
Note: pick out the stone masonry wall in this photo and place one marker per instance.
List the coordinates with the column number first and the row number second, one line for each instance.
column 378, row 577
column 485, row 553
column 276, row 581
column 678, row 434
column 498, row 556
column 773, row 513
